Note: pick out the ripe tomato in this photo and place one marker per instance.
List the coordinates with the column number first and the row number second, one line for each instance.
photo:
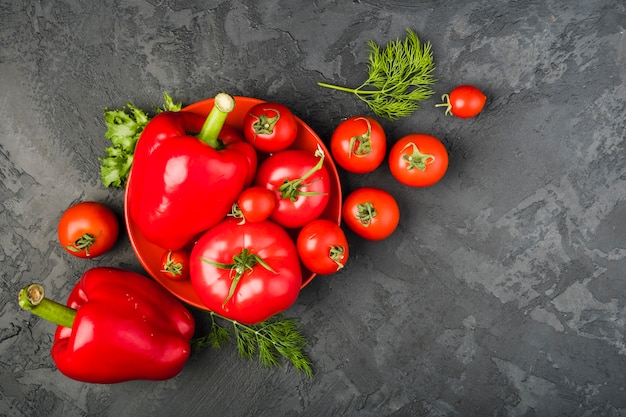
column 256, row 204
column 371, row 213
column 246, row 272
column 300, row 182
column 270, row 127
column 322, row 247
column 358, row 144
column 418, row 160
column 464, row 101
column 88, row 229
column 175, row 264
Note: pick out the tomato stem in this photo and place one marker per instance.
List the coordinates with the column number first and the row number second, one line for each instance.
column 290, row 189
column 236, row 213
column 336, row 253
column 363, row 141
column 417, row 160
column 169, row 266
column 366, row 213
column 446, row 103
column 83, row 243
column 222, row 105
column 263, row 124
column 32, row 298
column 242, row 262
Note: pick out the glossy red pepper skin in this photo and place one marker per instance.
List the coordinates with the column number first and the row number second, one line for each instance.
column 126, row 327
column 178, row 185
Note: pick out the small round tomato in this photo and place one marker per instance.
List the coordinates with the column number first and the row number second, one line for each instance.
column 175, row 265
column 371, row 213
column 88, row 229
column 270, row 127
column 464, row 101
column 322, row 247
column 418, row 160
column 358, row 144
column 256, row 203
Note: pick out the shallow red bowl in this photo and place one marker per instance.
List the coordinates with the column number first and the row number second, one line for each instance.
column 149, row 255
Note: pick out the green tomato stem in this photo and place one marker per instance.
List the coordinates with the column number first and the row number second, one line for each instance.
column 242, row 262
column 222, row 105
column 336, row 253
column 446, row 103
column 366, row 213
column 417, row 159
column 32, row 298
column 290, row 189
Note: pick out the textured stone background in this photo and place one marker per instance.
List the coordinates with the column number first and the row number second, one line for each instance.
column 501, row 294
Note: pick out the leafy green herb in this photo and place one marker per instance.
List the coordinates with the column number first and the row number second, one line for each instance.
column 400, row 76
column 124, row 126
column 270, row 340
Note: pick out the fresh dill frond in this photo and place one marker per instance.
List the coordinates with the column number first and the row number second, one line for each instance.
column 400, row 75
column 269, row 341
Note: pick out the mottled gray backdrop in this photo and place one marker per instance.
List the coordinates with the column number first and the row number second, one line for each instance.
column 503, row 291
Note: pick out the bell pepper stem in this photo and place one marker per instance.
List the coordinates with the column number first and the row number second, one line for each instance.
column 222, row 105
column 33, row 299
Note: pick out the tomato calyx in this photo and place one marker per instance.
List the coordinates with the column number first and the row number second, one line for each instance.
column 242, row 262
column 83, row 243
column 366, row 213
column 236, row 213
column 362, row 142
column 417, row 160
column 336, row 253
column 263, row 124
column 290, row 189
column 446, row 103
column 172, row 267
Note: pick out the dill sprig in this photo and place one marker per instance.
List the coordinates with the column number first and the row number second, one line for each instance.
column 400, row 76
column 269, row 340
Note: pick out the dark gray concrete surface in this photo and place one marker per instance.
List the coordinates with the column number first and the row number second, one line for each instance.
column 503, row 291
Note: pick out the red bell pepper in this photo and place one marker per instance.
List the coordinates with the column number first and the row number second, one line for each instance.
column 117, row 326
column 181, row 185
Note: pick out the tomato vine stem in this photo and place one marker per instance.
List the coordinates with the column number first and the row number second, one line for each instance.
column 290, row 189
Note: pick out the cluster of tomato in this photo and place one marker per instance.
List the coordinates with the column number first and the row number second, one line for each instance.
column 359, row 145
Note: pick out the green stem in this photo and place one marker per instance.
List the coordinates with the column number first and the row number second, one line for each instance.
column 290, row 189
column 222, row 105
column 357, row 91
column 242, row 262
column 417, row 159
column 33, row 299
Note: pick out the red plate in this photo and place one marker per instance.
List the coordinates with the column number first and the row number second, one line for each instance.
column 149, row 255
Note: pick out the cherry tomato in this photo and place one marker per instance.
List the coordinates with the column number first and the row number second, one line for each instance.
column 88, row 229
column 418, row 160
column 358, row 144
column 300, row 182
column 371, row 213
column 322, row 247
column 464, row 101
column 256, row 203
column 270, row 127
column 175, row 265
